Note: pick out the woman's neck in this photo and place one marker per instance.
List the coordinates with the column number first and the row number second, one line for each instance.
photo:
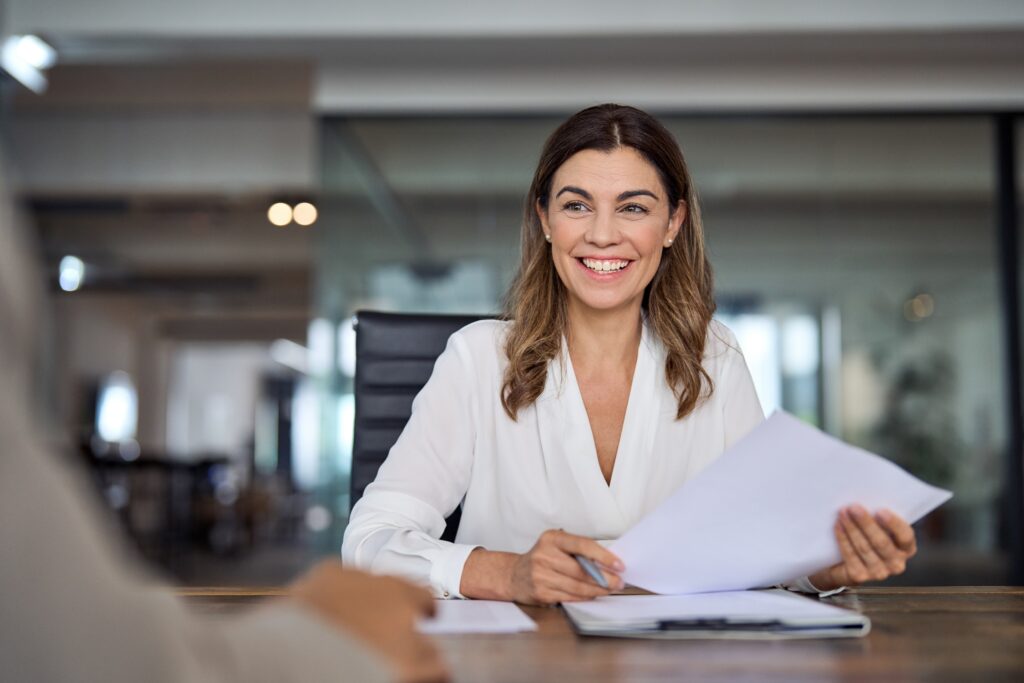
column 600, row 340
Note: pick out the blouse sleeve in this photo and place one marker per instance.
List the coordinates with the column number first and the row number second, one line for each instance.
column 396, row 526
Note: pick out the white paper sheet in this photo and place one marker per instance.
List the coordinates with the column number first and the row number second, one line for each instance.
column 635, row 610
column 477, row 616
column 763, row 512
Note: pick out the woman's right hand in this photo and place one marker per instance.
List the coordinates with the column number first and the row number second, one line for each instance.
column 549, row 574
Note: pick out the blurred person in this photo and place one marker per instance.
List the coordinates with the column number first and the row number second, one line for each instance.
column 75, row 610
column 606, row 386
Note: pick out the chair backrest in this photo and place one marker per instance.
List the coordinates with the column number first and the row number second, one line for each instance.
column 395, row 354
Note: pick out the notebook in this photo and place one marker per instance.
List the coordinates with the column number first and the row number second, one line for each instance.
column 754, row 614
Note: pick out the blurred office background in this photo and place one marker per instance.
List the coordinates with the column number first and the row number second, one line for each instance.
column 855, row 163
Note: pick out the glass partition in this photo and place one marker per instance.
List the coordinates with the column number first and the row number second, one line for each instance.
column 854, row 257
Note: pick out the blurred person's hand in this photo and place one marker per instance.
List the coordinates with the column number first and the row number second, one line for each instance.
column 380, row 610
column 873, row 547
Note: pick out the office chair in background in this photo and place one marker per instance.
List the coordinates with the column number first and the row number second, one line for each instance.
column 395, row 354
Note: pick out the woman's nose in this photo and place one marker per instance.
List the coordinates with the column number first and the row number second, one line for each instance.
column 603, row 230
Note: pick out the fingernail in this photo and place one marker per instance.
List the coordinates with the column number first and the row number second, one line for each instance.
column 618, row 566
column 885, row 514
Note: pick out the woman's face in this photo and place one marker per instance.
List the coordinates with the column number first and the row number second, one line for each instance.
column 608, row 218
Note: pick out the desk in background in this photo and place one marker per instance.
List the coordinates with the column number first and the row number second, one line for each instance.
column 918, row 634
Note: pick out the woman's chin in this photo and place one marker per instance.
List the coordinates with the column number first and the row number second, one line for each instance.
column 607, row 304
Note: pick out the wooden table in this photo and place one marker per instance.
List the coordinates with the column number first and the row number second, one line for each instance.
column 918, row 634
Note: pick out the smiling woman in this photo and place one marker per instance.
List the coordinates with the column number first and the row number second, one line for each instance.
column 611, row 184
column 610, row 237
column 606, row 388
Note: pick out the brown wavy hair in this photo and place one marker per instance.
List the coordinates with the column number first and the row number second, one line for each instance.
column 678, row 301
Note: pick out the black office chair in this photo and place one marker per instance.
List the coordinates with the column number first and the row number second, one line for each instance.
column 395, row 354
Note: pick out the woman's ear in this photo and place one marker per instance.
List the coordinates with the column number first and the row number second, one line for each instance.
column 542, row 214
column 675, row 221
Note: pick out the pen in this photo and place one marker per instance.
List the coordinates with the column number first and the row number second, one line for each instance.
column 590, row 568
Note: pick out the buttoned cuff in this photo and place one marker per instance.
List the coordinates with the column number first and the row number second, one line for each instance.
column 804, row 585
column 446, row 572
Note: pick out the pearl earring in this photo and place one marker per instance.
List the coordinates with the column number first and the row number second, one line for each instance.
column 668, row 244
column 547, row 237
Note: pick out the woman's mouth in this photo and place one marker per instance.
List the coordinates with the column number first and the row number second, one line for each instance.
column 604, row 269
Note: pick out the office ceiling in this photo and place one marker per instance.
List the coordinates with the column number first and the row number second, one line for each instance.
column 156, row 152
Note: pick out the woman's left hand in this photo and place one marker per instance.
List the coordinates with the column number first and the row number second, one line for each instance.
column 873, row 548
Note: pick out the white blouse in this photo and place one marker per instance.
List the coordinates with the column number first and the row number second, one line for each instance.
column 516, row 479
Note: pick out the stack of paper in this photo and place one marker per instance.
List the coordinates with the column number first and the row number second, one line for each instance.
column 737, row 614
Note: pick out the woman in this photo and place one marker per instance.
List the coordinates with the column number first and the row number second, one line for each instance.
column 607, row 386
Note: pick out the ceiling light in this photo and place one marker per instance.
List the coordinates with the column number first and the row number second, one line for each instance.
column 280, row 214
column 918, row 308
column 35, row 52
column 305, row 214
column 26, row 58
column 925, row 305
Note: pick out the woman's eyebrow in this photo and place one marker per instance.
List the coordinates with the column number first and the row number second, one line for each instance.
column 576, row 190
column 637, row 193
column 623, row 196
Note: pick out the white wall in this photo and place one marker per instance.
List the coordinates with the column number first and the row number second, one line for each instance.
column 212, row 398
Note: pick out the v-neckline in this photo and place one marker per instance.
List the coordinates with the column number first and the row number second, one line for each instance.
column 628, row 419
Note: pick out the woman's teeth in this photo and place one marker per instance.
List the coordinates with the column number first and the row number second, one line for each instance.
column 604, row 266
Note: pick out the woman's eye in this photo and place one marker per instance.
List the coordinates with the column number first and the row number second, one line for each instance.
column 635, row 208
column 575, row 207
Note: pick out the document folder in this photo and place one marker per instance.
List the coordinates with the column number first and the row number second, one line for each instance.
column 762, row 614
